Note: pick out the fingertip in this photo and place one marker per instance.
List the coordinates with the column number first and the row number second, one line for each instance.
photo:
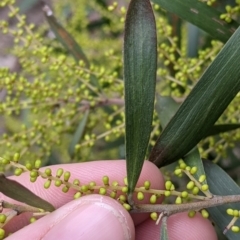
column 179, row 226
column 196, row 228
column 89, row 217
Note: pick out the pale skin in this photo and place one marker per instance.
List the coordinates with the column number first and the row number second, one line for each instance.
column 100, row 217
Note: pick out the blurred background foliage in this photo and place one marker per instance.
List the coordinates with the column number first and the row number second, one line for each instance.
column 61, row 109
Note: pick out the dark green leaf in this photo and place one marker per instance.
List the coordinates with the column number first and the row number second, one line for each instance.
column 220, row 128
column 166, row 108
column 16, row 191
column 26, row 5
column 200, row 14
column 64, row 37
column 78, row 134
column 193, row 39
column 163, row 231
column 140, row 62
column 193, row 159
column 220, row 183
column 204, row 105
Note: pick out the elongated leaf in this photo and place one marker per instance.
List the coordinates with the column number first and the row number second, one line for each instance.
column 64, row 37
column 204, row 105
column 16, row 191
column 78, row 134
column 140, row 62
column 163, row 231
column 193, row 40
column 193, row 159
column 26, row 5
column 201, row 15
column 220, row 128
column 221, row 184
column 166, row 108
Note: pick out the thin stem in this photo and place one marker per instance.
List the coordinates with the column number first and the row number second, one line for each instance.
column 207, row 193
column 19, row 208
column 169, row 209
column 230, row 225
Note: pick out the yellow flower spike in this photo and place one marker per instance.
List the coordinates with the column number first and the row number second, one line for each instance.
column 184, row 194
column 188, row 168
column 4, row 161
column 115, row 184
column 59, row 172
column 105, row 180
column 18, row 171
column 204, row 213
column 2, row 233
column 230, row 211
column 38, row 163
column 191, row 213
column 178, row 200
column 34, row 174
column 204, row 187
column 183, row 165
column 190, row 185
column 48, row 172
column 235, row 229
column 123, row 10
column 147, row 185
column 76, row 182
column 32, row 220
column 110, row 8
column 33, row 179
column 167, row 193
column 122, row 198
column 66, row 176
column 154, row 216
column 127, row 206
column 202, row 178
column 3, row 218
column 58, row 183
column 16, row 157
column 47, row 184
column 102, row 191
column 178, row 172
column 65, row 189
column 124, row 189
column 77, row 195
column 125, row 181
column 140, row 196
column 235, row 213
column 84, row 188
column 193, row 170
column 113, row 195
column 172, row 188
column 195, row 190
column 153, row 199
column 168, row 185
column 29, row 166
column 92, row 184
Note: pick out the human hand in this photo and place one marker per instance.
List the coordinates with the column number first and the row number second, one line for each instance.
column 100, row 217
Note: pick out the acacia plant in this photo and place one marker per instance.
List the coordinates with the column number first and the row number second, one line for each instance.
column 66, row 103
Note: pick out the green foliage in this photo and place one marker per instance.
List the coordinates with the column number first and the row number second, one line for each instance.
column 65, row 103
column 140, row 64
column 45, row 101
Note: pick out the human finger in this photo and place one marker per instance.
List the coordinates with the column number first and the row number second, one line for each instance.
column 85, row 172
column 179, row 226
column 89, row 217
